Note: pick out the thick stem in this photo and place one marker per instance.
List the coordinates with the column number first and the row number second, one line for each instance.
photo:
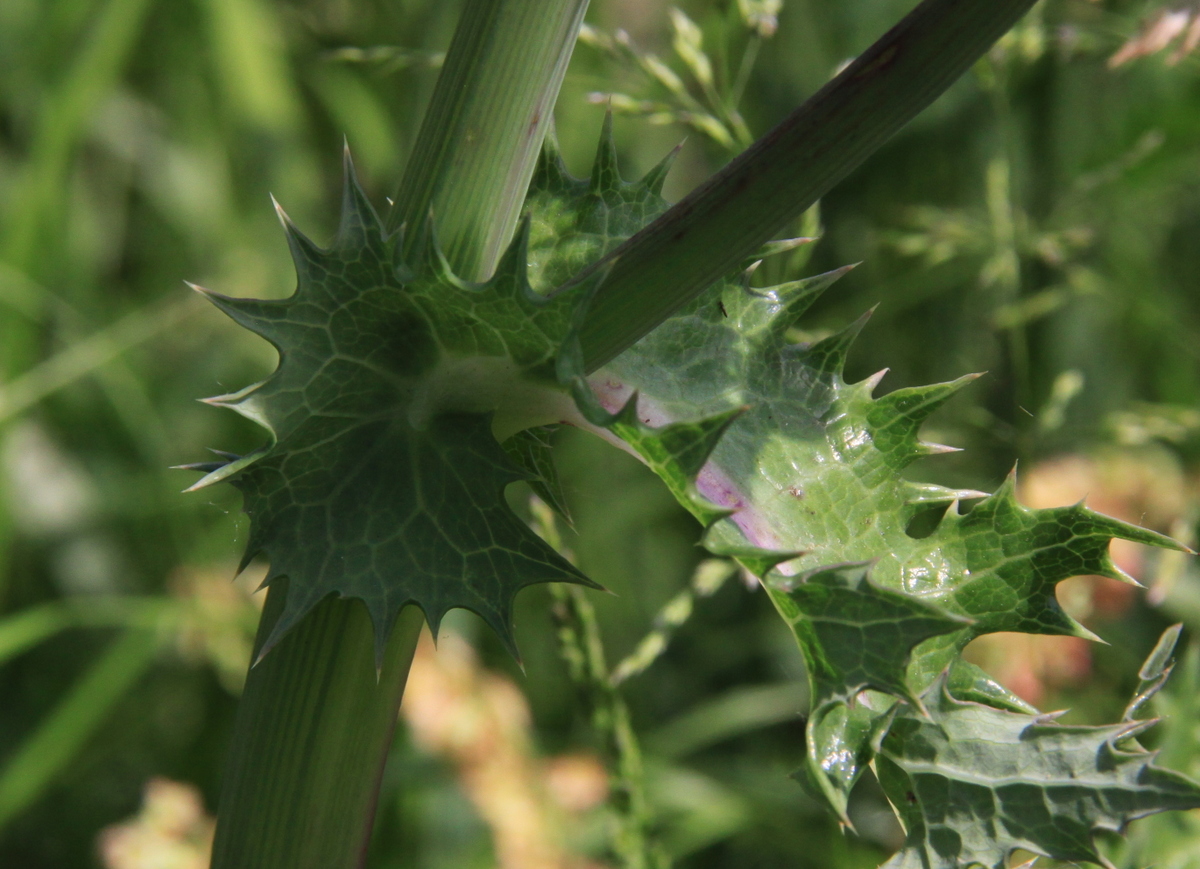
column 479, row 141
column 311, row 736
column 712, row 230
column 315, row 722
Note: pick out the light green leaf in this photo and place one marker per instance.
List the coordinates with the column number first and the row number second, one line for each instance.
column 854, row 636
column 1169, row 841
column 840, row 740
column 576, row 220
column 850, row 630
column 803, row 472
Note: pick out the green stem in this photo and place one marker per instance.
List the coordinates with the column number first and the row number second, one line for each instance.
column 707, row 234
column 311, row 736
column 583, row 649
column 316, row 718
column 480, row 139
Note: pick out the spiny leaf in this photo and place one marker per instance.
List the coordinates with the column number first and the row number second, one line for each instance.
column 384, row 480
column 840, row 740
column 850, row 631
column 531, row 449
column 1154, row 672
column 808, row 474
column 1169, row 842
column 774, row 248
column 826, row 359
column 675, row 452
column 973, row 783
column 897, row 417
column 654, row 180
column 854, row 636
column 966, row 681
column 573, row 223
column 605, row 174
column 759, row 562
column 767, row 314
column 924, row 495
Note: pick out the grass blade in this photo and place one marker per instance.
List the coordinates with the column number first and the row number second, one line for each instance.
column 85, row 356
column 48, row 751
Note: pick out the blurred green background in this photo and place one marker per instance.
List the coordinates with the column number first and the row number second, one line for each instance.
column 1041, row 223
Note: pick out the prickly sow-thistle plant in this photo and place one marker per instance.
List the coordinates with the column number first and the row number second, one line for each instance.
column 384, row 482
column 407, row 398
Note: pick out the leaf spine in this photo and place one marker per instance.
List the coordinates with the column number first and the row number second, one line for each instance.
column 358, row 218
column 787, row 303
column 757, row 560
column 303, row 249
column 605, row 173
column 782, row 245
column 434, row 259
column 828, row 356
column 654, row 180
column 551, row 171
column 511, row 277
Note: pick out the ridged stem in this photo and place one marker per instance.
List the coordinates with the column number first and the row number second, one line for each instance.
column 312, row 732
column 708, row 233
column 316, row 720
column 480, row 139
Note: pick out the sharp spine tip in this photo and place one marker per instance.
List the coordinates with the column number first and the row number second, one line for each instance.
column 654, row 180
column 280, row 213
column 870, row 383
column 780, row 246
column 605, row 172
column 929, row 449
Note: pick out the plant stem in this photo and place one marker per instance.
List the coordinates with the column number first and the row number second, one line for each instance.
column 312, row 732
column 583, row 649
column 316, row 718
column 480, row 139
column 707, row 234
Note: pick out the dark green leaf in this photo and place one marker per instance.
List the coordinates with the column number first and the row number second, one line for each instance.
column 973, row 783
column 532, row 450
column 384, row 480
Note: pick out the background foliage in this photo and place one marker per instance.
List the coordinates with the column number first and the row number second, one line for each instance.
column 1037, row 223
